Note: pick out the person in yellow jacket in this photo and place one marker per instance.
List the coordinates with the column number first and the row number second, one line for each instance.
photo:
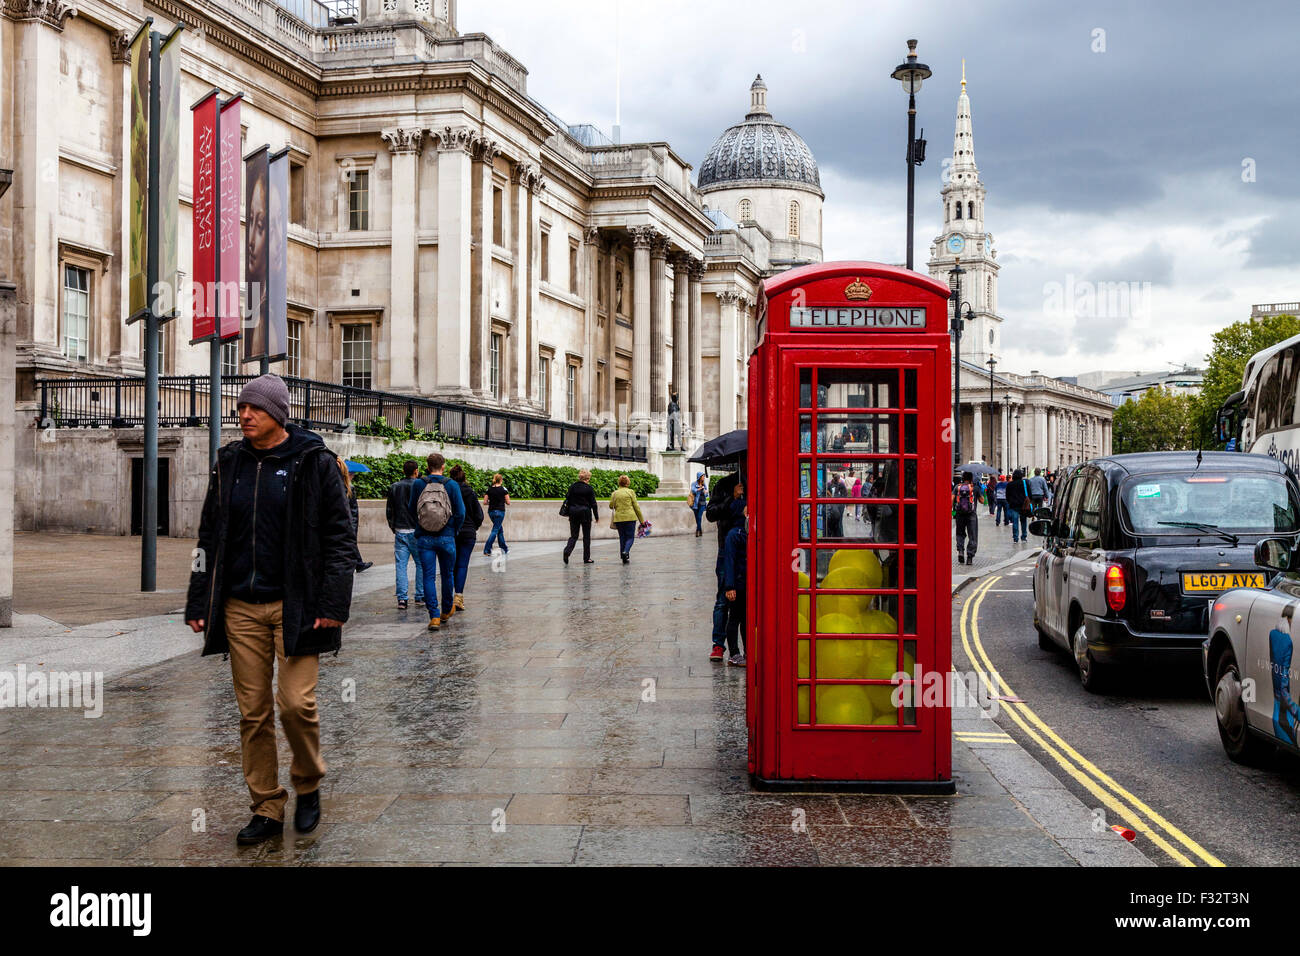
column 626, row 515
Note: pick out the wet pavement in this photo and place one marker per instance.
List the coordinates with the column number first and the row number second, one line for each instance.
column 569, row 716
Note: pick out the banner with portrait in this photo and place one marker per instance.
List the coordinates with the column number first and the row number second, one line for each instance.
column 277, row 273
column 256, row 254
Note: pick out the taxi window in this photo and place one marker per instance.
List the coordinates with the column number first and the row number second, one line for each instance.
column 1242, row 503
column 1089, row 521
column 1070, row 511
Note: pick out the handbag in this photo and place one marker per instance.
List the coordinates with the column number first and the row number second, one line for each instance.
column 564, row 508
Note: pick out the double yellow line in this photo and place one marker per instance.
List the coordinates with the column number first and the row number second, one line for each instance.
column 1124, row 805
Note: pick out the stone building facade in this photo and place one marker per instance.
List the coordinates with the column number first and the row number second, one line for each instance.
column 449, row 237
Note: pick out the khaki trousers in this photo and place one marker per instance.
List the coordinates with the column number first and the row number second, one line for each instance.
column 256, row 638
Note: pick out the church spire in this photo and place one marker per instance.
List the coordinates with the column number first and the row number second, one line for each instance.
column 963, row 143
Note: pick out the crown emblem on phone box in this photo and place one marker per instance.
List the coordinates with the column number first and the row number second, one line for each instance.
column 857, row 290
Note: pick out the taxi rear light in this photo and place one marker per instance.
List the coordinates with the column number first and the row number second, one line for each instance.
column 1116, row 592
column 1220, row 606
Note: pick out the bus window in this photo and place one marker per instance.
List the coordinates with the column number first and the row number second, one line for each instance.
column 1269, row 397
column 1288, row 368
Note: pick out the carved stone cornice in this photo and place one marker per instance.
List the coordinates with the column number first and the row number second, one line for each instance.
column 591, row 234
column 403, row 139
column 659, row 246
column 485, row 150
column 52, row 12
column 729, row 296
column 697, row 269
column 645, row 237
column 120, row 44
column 528, row 176
column 455, row 137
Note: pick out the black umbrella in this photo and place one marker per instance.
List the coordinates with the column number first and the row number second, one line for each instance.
column 723, row 450
column 977, row 468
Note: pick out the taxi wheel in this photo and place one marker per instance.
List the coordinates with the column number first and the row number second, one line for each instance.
column 1091, row 674
column 1230, row 714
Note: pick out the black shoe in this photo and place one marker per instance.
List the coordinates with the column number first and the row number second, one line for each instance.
column 307, row 813
column 961, row 559
column 624, row 556
column 259, row 829
column 364, row 566
column 588, row 560
column 566, row 557
column 401, row 605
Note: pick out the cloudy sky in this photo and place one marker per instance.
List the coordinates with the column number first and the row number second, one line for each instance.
column 1155, row 144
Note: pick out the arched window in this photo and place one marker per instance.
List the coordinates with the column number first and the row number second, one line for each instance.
column 794, row 219
column 746, row 212
column 958, row 204
column 970, row 209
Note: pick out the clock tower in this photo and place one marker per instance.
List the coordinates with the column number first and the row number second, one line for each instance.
column 964, row 238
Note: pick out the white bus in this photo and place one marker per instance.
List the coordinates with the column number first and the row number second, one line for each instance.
column 1264, row 417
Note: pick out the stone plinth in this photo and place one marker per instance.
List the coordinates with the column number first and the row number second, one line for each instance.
column 673, row 480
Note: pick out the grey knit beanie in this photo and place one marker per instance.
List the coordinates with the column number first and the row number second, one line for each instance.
column 269, row 393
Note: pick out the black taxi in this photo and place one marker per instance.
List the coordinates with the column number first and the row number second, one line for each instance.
column 1137, row 547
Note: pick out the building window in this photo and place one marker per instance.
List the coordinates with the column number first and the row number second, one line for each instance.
column 498, row 225
column 230, row 358
column 356, row 356
column 794, row 219
column 297, row 194
column 544, row 383
column 293, row 365
column 746, row 211
column 545, row 253
column 970, row 210
column 76, row 313
column 573, row 267
column 495, row 364
column 571, row 392
column 958, row 205
column 359, row 200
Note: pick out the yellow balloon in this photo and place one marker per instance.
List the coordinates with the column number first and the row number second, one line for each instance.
column 803, row 658
column 803, row 617
column 804, row 581
column 877, row 622
column 843, row 704
column 881, row 704
column 863, row 560
column 834, row 622
column 842, row 659
column 880, row 659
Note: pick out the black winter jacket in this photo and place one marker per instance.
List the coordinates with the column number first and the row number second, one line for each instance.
column 582, row 496
column 473, row 513
column 318, row 552
column 397, row 511
column 720, row 511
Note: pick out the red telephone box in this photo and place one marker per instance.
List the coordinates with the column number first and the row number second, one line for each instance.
column 849, row 601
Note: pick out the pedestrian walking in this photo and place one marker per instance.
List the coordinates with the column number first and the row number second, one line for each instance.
column 966, row 498
column 723, row 513
column 1037, row 490
column 580, row 508
column 466, row 537
column 274, row 592
column 625, row 515
column 439, row 513
column 401, row 522
column 699, row 502
column 734, row 574
column 1018, row 504
column 496, row 500
column 359, row 564
column 1000, row 500
column 986, row 485
column 857, row 493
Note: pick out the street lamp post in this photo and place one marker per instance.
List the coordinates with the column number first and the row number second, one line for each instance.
column 1006, row 450
column 956, row 272
column 911, row 73
column 1017, row 437
column 992, row 430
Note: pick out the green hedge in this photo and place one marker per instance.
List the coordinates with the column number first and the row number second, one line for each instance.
column 523, row 481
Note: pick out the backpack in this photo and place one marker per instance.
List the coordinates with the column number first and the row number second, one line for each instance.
column 433, row 508
column 965, row 499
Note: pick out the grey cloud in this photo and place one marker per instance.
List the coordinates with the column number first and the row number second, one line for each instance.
column 1153, row 264
column 1272, row 243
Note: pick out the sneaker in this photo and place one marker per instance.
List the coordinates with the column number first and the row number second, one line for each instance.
column 259, row 829
column 419, row 602
column 736, row 660
column 401, row 604
column 435, row 623
column 716, row 654
column 458, row 603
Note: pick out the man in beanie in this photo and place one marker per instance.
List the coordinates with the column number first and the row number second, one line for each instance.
column 274, row 587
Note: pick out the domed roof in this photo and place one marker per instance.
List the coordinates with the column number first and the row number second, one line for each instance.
column 760, row 150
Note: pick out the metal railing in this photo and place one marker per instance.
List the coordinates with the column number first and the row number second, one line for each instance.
column 183, row 402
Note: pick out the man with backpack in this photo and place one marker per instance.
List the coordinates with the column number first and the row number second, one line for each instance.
column 439, row 512
column 401, row 521
column 966, row 498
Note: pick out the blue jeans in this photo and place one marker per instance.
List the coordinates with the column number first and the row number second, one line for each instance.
column 464, row 549
column 1017, row 525
column 497, row 534
column 720, row 606
column 626, row 535
column 404, row 547
column 438, row 558
column 1002, row 513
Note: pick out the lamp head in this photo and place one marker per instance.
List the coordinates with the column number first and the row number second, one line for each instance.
column 911, row 73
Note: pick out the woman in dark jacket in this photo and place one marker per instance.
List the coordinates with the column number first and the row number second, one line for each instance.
column 1018, row 504
column 581, row 504
column 468, row 532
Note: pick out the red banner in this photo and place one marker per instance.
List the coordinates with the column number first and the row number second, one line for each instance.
column 204, row 259
column 229, row 245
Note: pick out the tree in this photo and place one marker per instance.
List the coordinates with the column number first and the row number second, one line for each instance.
column 1232, row 347
column 1158, row 421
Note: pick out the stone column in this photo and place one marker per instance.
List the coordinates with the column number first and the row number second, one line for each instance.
column 658, row 326
column 484, row 152
column 1007, row 450
column 681, row 341
column 117, row 280
column 521, row 176
column 398, row 346
column 534, row 284
column 977, row 434
column 446, row 372
column 589, row 400
column 693, row 346
column 8, row 449
column 642, row 236
column 611, row 327
column 1053, row 461
column 728, row 304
